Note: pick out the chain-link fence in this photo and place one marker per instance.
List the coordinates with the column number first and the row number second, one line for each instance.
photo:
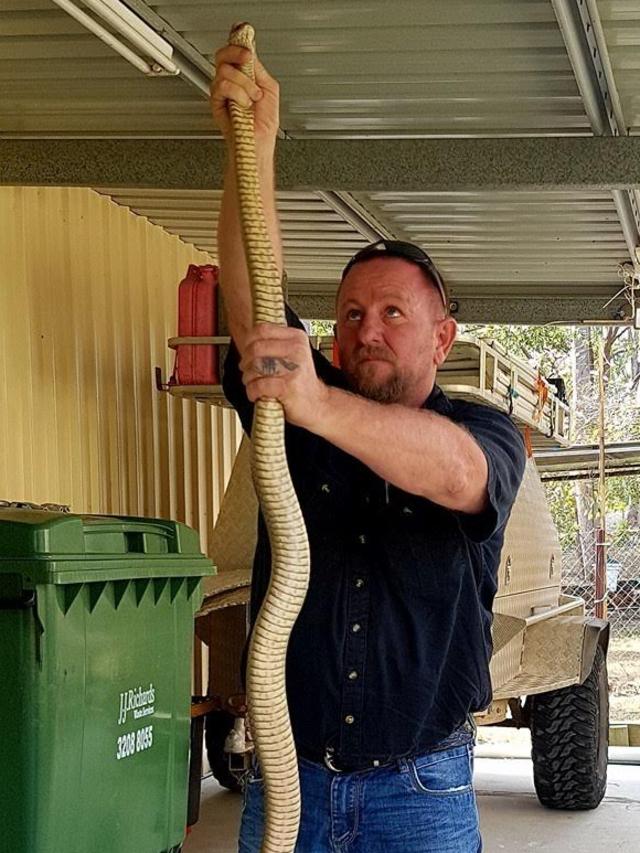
column 622, row 599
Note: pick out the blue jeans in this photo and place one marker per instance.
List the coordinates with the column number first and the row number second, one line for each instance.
column 419, row 805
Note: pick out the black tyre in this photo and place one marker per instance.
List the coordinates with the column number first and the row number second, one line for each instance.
column 570, row 739
column 217, row 727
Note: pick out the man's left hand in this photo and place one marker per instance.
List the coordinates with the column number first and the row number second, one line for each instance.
column 277, row 364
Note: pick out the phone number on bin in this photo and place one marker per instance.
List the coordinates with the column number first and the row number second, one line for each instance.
column 134, row 742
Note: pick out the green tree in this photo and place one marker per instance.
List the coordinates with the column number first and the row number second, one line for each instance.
column 562, row 504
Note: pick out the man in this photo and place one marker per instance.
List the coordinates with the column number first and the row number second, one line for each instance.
column 405, row 494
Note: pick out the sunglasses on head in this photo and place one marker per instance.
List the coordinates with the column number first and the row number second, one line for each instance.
column 400, row 249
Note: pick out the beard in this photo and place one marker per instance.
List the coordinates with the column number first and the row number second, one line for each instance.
column 361, row 381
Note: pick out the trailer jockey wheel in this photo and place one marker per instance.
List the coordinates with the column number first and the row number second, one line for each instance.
column 570, row 739
column 217, row 727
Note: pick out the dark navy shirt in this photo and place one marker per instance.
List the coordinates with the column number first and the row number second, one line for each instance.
column 391, row 650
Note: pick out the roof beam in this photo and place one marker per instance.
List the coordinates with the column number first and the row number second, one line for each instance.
column 510, row 310
column 627, row 209
column 393, row 165
column 573, row 29
column 588, row 475
column 353, row 213
column 599, row 53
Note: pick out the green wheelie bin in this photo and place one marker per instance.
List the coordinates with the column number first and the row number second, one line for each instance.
column 96, row 632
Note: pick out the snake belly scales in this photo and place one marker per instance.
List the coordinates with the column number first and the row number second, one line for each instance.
column 267, row 700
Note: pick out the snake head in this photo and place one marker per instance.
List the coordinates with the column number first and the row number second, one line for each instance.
column 243, row 35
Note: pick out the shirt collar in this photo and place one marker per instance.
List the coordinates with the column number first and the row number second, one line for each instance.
column 438, row 401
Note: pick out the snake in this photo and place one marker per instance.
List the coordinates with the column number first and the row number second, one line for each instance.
column 290, row 561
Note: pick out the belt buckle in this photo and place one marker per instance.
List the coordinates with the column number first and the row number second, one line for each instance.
column 328, row 760
column 329, row 757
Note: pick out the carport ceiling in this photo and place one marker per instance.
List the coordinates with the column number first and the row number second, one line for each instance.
column 524, row 240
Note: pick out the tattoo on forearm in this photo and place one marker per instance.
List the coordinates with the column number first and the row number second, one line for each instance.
column 270, row 366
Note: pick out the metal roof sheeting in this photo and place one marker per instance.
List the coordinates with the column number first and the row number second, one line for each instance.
column 422, row 68
column 346, row 68
column 58, row 79
column 621, row 24
column 486, row 243
column 567, row 460
column 357, row 68
column 317, row 241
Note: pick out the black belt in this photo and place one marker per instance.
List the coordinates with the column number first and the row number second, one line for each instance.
column 335, row 763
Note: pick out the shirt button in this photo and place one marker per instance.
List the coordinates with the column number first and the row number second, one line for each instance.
column 362, row 539
column 349, row 719
column 356, row 627
column 359, row 583
column 353, row 675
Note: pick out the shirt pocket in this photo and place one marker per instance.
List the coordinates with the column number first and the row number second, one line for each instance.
column 425, row 551
column 325, row 497
column 448, row 773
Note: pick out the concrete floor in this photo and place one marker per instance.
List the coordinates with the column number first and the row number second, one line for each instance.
column 510, row 816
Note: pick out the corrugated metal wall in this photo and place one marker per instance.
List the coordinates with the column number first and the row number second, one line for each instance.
column 88, row 296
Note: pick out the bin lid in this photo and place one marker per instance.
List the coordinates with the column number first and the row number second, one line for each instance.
column 52, row 547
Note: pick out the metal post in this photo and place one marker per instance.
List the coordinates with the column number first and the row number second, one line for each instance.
column 601, row 576
column 601, row 561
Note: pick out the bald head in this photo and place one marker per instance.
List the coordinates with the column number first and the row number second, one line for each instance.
column 392, row 330
column 401, row 270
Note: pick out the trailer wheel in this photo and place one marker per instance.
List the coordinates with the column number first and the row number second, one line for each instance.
column 570, row 739
column 218, row 725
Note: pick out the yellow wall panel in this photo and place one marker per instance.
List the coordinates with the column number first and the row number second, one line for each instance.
column 88, row 298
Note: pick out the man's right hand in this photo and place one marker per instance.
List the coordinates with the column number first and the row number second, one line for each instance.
column 231, row 84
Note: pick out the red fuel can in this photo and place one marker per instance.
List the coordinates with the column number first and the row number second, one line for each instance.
column 197, row 317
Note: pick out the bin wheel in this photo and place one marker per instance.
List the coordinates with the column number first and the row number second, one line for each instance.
column 217, row 727
column 570, row 739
